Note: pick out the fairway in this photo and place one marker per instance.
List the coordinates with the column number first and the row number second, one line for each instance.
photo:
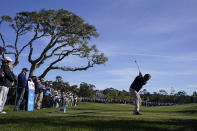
column 109, row 117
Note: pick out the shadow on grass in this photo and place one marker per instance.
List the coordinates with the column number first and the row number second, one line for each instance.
column 188, row 111
column 90, row 122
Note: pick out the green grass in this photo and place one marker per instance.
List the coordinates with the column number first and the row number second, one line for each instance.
column 107, row 117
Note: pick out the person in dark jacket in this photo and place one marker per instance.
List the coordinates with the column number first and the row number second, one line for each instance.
column 12, row 90
column 5, row 82
column 135, row 87
column 2, row 51
column 21, row 89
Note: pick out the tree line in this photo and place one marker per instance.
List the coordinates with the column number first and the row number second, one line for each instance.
column 86, row 90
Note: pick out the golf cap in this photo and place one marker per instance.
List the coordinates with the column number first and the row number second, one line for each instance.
column 8, row 59
column 25, row 69
column 2, row 49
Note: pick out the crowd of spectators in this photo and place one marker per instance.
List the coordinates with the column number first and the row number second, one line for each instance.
column 144, row 103
column 45, row 95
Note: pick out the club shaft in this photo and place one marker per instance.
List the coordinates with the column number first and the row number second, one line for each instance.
column 137, row 65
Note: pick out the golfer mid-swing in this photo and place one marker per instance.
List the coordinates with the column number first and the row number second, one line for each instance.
column 134, row 89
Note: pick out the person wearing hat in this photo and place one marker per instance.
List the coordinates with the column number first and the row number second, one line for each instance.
column 22, row 88
column 6, row 81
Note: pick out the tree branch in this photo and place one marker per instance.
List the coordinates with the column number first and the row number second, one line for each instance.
column 31, row 42
column 47, row 48
column 2, row 39
column 13, row 53
column 49, row 56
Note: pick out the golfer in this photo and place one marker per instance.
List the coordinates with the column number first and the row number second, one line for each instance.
column 134, row 89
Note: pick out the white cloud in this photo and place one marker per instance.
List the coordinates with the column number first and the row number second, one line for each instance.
column 130, row 73
column 122, row 72
column 192, row 86
column 176, row 58
column 173, row 73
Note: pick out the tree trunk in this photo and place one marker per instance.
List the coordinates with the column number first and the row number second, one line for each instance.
column 32, row 69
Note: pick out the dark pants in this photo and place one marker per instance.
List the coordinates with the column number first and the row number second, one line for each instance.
column 20, row 99
column 47, row 101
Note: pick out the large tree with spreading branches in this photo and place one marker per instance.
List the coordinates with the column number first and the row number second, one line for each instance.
column 67, row 35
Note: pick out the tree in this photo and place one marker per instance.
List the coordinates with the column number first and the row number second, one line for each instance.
column 60, row 84
column 67, row 34
column 194, row 97
column 74, row 89
column 86, row 90
column 145, row 94
column 124, row 95
column 59, row 79
column 111, row 93
column 181, row 97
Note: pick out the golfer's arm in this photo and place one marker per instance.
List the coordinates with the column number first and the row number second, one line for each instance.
column 140, row 74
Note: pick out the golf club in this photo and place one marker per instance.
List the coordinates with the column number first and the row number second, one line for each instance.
column 137, row 65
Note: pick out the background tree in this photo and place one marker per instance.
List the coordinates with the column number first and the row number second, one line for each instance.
column 74, row 89
column 145, row 95
column 59, row 84
column 124, row 95
column 111, row 93
column 66, row 33
column 86, row 90
column 181, row 97
column 194, row 97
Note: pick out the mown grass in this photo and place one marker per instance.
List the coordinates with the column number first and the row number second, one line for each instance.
column 107, row 117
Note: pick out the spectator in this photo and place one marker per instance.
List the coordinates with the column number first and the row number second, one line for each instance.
column 70, row 96
column 54, row 97
column 47, row 96
column 57, row 96
column 75, row 100
column 6, row 81
column 36, row 83
column 41, row 90
column 12, row 92
column 2, row 51
column 22, row 88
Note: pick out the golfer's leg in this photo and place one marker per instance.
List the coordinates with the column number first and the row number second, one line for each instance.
column 134, row 94
column 139, row 101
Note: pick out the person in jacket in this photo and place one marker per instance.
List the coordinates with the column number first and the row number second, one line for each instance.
column 21, row 89
column 2, row 51
column 6, row 81
column 135, row 87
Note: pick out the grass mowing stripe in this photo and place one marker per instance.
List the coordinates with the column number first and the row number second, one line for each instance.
column 96, row 116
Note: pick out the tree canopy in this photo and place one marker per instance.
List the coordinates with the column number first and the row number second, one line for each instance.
column 67, row 34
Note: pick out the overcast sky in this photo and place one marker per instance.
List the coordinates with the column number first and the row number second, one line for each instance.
column 159, row 34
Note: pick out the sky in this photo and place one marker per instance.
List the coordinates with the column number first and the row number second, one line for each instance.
column 159, row 34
